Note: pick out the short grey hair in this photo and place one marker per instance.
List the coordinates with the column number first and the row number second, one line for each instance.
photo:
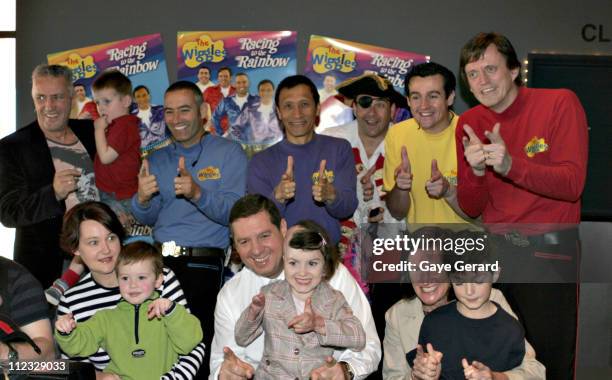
column 56, row 71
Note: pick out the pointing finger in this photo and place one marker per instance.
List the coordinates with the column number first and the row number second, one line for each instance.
column 228, row 354
column 435, row 172
column 405, row 161
column 289, row 171
column 472, row 135
column 308, row 305
column 366, row 177
column 144, row 168
column 322, row 170
column 495, row 136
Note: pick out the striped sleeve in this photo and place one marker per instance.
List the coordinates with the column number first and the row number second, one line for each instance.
column 187, row 365
column 171, row 288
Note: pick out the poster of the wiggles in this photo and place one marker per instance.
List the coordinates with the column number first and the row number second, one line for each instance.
column 143, row 61
column 330, row 61
column 238, row 72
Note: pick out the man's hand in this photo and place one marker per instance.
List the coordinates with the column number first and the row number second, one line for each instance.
column 65, row 324
column 285, row 189
column 157, row 308
column 473, row 151
column 437, row 186
column 184, row 184
column 65, row 182
column 257, row 305
column 403, row 173
column 367, row 184
column 323, row 190
column 427, row 365
column 147, row 184
column 331, row 370
column 233, row 368
column 307, row 321
column 496, row 154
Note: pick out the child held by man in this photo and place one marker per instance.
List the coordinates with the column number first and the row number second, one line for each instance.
column 116, row 164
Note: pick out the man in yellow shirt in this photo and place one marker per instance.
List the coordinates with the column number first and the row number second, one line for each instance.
column 420, row 172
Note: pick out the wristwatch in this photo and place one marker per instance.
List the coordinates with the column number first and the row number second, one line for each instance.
column 348, row 371
column 13, row 355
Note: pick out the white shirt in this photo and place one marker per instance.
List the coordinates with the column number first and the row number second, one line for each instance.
column 237, row 294
column 240, row 100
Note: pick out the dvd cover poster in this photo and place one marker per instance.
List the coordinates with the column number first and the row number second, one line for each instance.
column 239, row 107
column 330, row 61
column 143, row 61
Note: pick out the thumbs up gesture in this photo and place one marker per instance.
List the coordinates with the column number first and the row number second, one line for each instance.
column 285, row 189
column 257, row 306
column 427, row 365
column 307, row 321
column 367, row 184
column 323, row 190
column 437, row 186
column 496, row 154
column 147, row 183
column 184, row 185
column 403, row 173
column 476, row 370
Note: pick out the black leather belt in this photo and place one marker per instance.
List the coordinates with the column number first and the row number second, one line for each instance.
column 170, row 248
column 568, row 236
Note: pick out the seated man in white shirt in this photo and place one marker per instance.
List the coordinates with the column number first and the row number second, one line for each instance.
column 257, row 233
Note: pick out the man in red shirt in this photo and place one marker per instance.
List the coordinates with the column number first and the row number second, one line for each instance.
column 522, row 156
column 215, row 94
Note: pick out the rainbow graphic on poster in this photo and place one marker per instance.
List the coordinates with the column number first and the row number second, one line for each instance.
column 141, row 59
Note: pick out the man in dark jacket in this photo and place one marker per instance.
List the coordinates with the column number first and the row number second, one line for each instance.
column 46, row 168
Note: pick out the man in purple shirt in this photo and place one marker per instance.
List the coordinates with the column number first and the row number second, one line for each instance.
column 308, row 176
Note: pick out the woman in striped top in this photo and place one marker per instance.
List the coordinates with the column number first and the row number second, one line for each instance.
column 93, row 232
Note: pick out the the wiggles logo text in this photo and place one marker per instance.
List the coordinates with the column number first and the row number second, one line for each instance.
column 82, row 68
column 327, row 58
column 204, row 49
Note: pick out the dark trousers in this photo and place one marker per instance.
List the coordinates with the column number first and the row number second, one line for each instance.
column 541, row 283
column 201, row 279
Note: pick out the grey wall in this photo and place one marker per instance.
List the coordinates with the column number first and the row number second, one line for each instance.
column 437, row 28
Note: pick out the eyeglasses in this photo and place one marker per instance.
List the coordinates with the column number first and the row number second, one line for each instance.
column 365, row 101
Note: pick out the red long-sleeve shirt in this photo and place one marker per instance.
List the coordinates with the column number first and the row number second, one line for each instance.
column 545, row 132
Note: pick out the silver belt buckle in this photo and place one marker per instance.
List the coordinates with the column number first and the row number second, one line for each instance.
column 517, row 239
column 170, row 248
